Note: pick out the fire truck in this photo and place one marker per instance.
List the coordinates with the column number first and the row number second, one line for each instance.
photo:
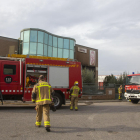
column 19, row 73
column 132, row 88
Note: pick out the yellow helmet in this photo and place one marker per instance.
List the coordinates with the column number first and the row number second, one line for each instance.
column 76, row 83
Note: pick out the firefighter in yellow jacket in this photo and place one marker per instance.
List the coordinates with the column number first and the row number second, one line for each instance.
column 120, row 92
column 74, row 91
column 41, row 94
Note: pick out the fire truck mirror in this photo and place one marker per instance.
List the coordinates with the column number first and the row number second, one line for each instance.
column 8, row 79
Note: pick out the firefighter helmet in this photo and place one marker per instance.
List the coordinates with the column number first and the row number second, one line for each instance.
column 76, row 83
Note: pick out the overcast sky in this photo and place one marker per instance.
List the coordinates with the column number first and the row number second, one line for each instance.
column 111, row 26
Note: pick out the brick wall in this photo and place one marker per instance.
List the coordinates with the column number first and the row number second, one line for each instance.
column 109, row 95
column 8, row 46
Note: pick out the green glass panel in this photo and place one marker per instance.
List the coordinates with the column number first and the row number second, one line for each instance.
column 33, row 48
column 45, row 50
column 40, row 36
column 40, row 49
column 33, row 36
column 25, row 48
column 60, row 42
column 54, row 52
column 54, row 41
column 65, row 53
column 26, row 36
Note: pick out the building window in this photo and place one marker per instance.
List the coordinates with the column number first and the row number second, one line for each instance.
column 50, row 40
column 65, row 53
column 40, row 36
column 40, row 49
column 49, row 51
column 71, row 44
column 45, row 50
column 54, row 41
column 33, row 47
column 60, row 53
column 33, row 36
column 60, row 42
column 25, row 48
column 66, row 43
column 39, row 42
column 71, row 54
column 26, row 36
column 46, row 38
column 54, row 52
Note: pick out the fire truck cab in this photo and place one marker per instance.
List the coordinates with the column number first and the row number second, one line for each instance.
column 132, row 88
column 19, row 75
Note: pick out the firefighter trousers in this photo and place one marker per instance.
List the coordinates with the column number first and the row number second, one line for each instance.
column 120, row 96
column 43, row 109
column 74, row 101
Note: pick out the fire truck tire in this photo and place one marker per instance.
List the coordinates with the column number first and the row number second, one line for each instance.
column 57, row 99
column 135, row 101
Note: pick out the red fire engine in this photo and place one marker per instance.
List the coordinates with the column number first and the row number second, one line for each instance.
column 18, row 76
column 132, row 88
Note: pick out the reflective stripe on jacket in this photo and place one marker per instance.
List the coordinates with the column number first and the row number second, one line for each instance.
column 43, row 92
column 75, row 91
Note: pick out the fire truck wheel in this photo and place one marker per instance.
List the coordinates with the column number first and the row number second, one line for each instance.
column 57, row 99
column 134, row 101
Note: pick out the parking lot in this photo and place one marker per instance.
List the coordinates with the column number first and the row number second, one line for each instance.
column 98, row 121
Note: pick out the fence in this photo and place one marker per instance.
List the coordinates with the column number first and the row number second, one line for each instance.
column 92, row 89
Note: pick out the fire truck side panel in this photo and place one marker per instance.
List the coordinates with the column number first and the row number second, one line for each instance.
column 75, row 75
column 70, row 67
column 10, row 82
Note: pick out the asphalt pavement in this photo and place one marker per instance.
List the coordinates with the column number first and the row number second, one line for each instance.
column 118, row 120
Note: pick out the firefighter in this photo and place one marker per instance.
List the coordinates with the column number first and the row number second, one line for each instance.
column 41, row 94
column 120, row 92
column 74, row 92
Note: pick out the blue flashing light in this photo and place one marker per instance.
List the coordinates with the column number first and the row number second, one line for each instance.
column 133, row 73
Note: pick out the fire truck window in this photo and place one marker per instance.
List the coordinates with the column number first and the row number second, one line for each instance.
column 9, row 69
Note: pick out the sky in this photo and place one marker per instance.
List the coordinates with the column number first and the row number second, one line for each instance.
column 111, row 26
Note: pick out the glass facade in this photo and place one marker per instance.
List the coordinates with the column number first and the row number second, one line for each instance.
column 41, row 43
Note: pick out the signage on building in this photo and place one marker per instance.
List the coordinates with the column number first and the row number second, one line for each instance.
column 83, row 50
column 92, row 57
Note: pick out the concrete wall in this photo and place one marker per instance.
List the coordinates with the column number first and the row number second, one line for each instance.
column 8, row 46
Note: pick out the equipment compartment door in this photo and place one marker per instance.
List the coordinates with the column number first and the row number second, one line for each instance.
column 59, row 77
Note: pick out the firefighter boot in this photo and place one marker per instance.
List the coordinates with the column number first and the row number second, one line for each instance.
column 76, row 108
column 119, row 97
column 71, row 108
column 48, row 129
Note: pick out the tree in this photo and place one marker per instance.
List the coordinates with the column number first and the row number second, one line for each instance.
column 121, row 80
column 88, row 76
column 110, row 79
